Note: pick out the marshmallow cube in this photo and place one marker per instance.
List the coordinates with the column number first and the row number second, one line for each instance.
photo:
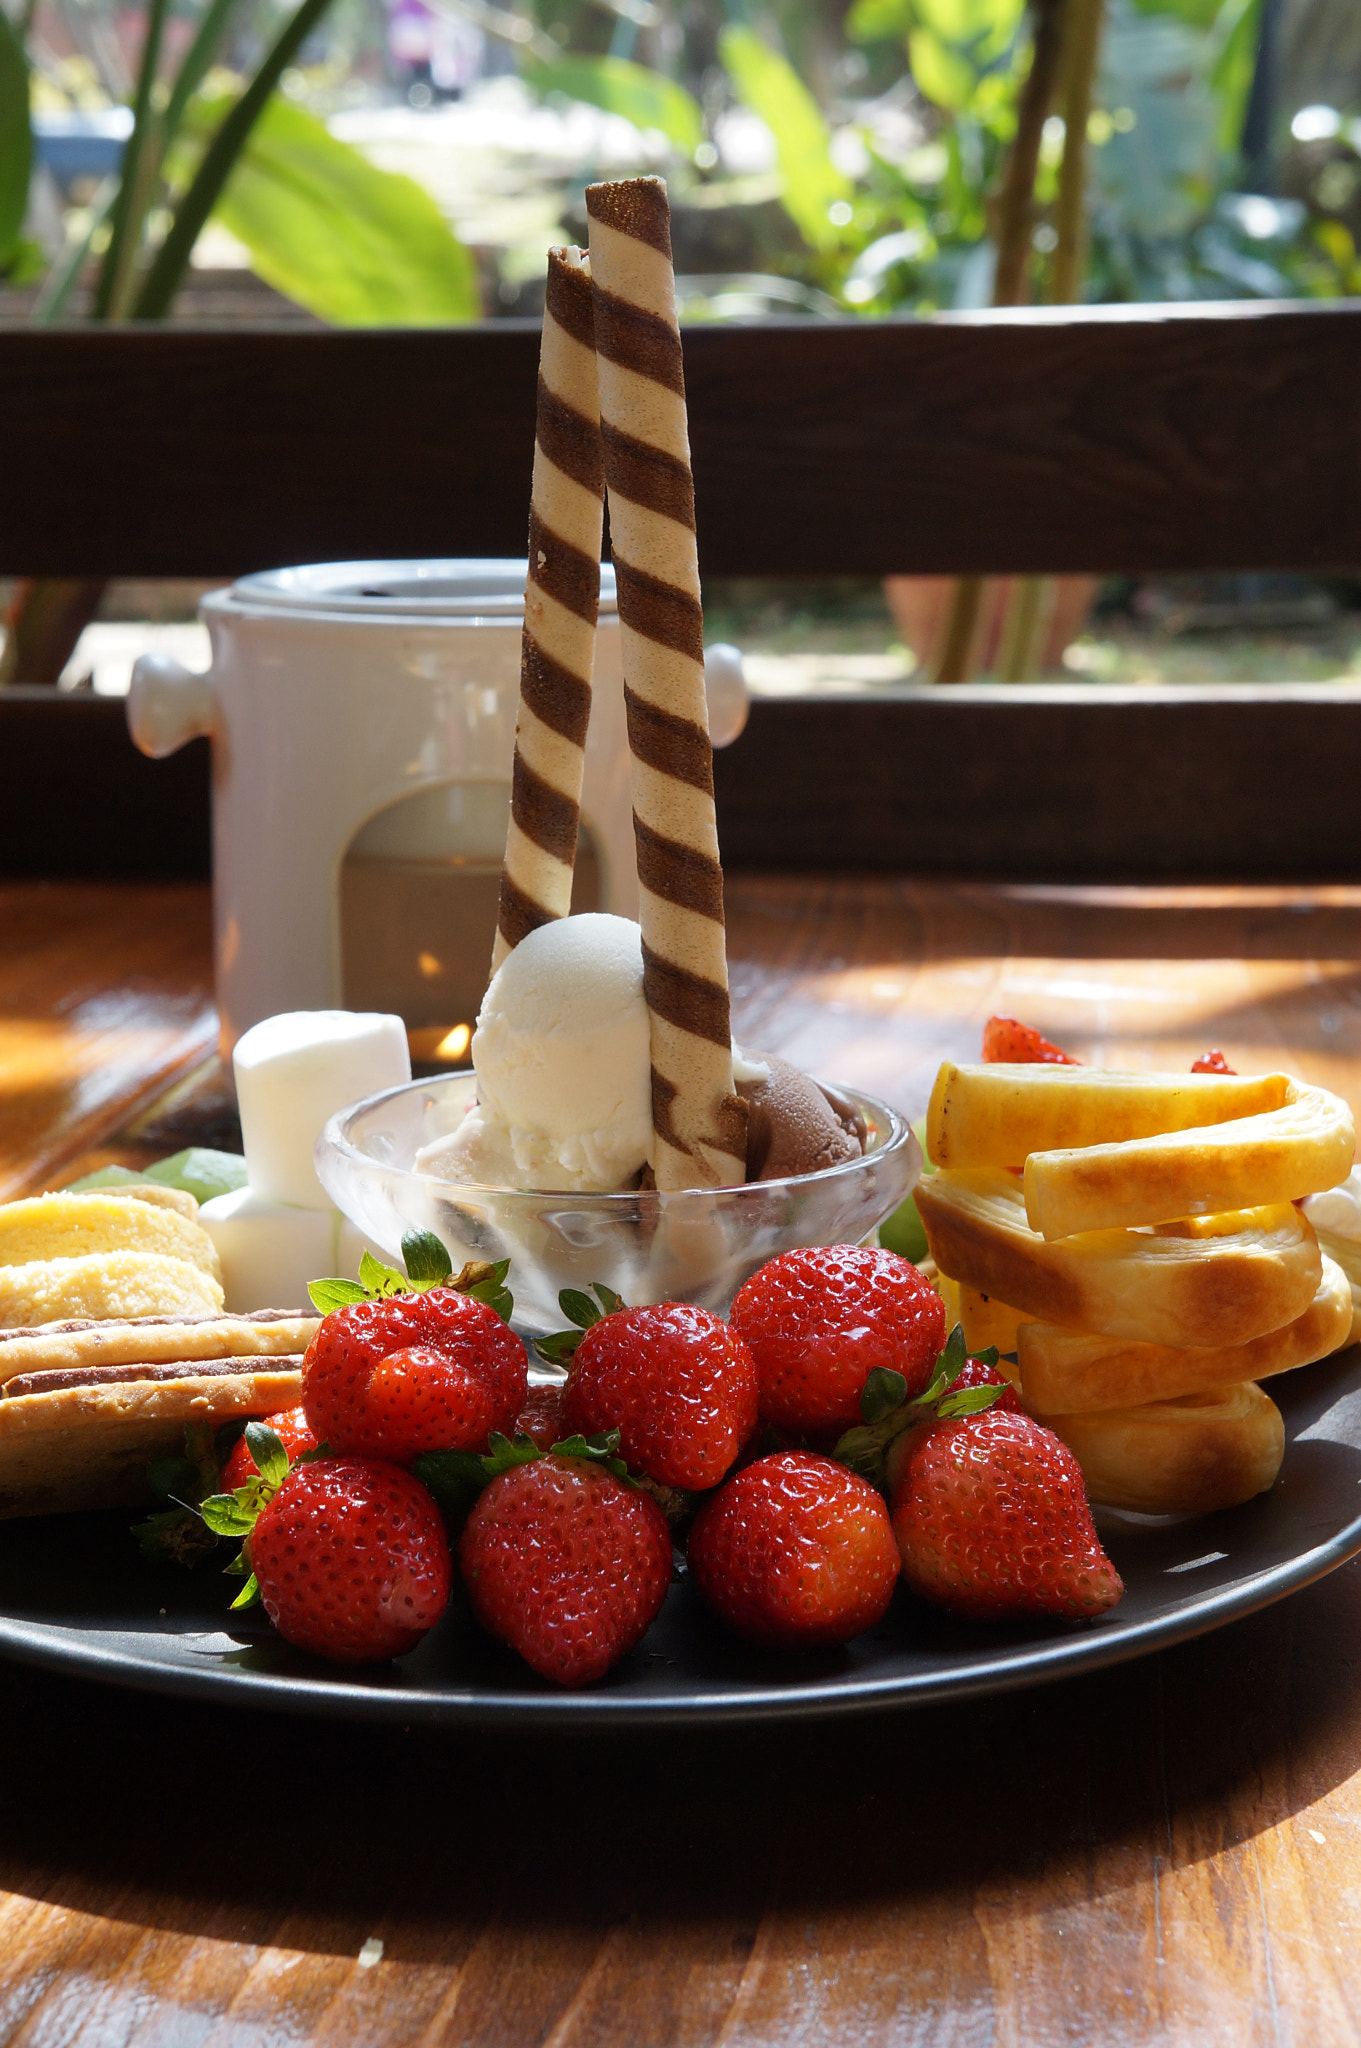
column 296, row 1070
column 269, row 1252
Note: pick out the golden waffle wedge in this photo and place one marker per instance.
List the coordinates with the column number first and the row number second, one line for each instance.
column 75, row 1226
column 104, row 1284
column 1204, row 1451
column 87, row 1445
column 997, row 1115
column 1068, row 1370
column 987, row 1320
column 1213, row 1281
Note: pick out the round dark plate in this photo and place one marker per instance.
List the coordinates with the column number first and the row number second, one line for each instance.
column 76, row 1596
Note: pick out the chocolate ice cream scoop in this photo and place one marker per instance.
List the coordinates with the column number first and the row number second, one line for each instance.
column 793, row 1126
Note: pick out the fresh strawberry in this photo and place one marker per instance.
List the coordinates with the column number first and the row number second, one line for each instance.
column 678, row 1385
column 412, row 1372
column 294, row 1434
column 541, row 1417
column 351, row 1559
column 1005, row 1039
column 992, row 1521
column 795, row 1550
column 819, row 1321
column 975, row 1372
column 567, row 1564
column 1212, row 1062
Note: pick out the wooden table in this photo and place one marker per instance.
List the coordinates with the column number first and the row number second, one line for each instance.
column 1166, row 1852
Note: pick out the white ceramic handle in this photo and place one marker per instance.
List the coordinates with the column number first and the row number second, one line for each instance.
column 168, row 704
column 725, row 686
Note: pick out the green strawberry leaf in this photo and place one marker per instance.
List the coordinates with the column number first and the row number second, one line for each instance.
column 883, row 1393
column 178, row 1533
column 427, row 1262
column 601, row 1450
column 487, row 1283
column 579, row 1308
column 175, row 1535
column 271, row 1459
column 380, row 1281
column 969, row 1401
column 226, row 1515
column 249, row 1595
column 560, row 1348
column 606, row 1296
column 455, row 1478
column 328, row 1295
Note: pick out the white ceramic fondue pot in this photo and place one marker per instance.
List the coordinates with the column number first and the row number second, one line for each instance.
column 362, row 719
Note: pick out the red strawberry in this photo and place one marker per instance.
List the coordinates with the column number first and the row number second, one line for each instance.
column 541, row 1417
column 567, row 1564
column 795, row 1550
column 819, row 1321
column 974, row 1373
column 413, row 1372
column 352, row 1559
column 1021, row 1044
column 293, row 1432
column 1212, row 1062
column 992, row 1521
column 678, row 1385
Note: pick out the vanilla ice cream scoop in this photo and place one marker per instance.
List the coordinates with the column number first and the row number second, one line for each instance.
column 563, row 1062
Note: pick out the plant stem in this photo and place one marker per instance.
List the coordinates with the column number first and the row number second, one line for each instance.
column 130, row 203
column 956, row 656
column 219, row 161
column 57, row 286
column 194, row 69
column 1082, row 39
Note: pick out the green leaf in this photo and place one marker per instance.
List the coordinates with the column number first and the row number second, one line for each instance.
column 874, row 21
column 248, row 1596
column 970, row 1400
column 560, row 1348
column 107, row 1177
column 601, row 1450
column 902, row 1233
column 332, row 1294
column 225, row 1515
column 608, row 1299
column 940, row 71
column 455, row 1478
column 427, row 1262
column 646, row 98
column 380, row 1281
column 355, row 245
column 578, row 1308
column 175, row 1536
column 980, row 29
column 266, row 1447
column 768, row 84
column 200, row 1171
column 882, row 1394
column 16, row 140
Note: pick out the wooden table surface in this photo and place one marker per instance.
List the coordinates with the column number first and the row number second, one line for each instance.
column 1170, row 1851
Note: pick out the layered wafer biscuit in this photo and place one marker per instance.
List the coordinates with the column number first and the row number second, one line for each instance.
column 562, row 595
column 699, row 1122
column 84, row 1438
column 80, row 1345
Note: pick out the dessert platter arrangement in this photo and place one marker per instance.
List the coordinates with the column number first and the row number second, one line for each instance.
column 637, row 1375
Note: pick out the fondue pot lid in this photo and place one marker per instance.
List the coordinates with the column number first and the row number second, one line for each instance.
column 484, row 588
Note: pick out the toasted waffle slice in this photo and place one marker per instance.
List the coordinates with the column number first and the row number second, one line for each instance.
column 1204, row 1451
column 153, row 1340
column 1212, row 1281
column 77, row 1226
column 997, row 1115
column 988, row 1321
column 84, row 1438
column 1068, row 1370
column 104, row 1284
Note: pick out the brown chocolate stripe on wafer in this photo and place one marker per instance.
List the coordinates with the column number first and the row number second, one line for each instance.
column 569, row 300
column 26, row 1383
column 519, row 913
column 557, row 698
column 545, row 815
column 562, row 571
column 659, row 611
column 685, row 999
column 669, row 743
column 649, row 476
column 730, row 1120
column 637, row 207
column 639, row 341
column 570, row 441
column 678, row 874
column 80, row 1323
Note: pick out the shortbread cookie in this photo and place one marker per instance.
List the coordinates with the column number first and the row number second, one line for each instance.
column 76, row 1346
column 104, row 1284
column 85, row 1439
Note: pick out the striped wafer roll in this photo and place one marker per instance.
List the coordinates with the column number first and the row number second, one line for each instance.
column 562, row 594
column 699, row 1122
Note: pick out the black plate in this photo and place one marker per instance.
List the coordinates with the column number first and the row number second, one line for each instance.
column 75, row 1596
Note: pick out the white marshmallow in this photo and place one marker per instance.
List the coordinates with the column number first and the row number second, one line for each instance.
column 296, row 1070
column 269, row 1251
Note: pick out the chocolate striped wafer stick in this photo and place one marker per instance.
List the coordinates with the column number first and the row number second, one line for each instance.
column 562, row 595
column 698, row 1120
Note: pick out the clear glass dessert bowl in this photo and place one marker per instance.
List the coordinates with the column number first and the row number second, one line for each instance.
column 693, row 1244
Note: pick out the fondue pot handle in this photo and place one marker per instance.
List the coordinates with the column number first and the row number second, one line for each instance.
column 168, row 704
column 725, row 687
